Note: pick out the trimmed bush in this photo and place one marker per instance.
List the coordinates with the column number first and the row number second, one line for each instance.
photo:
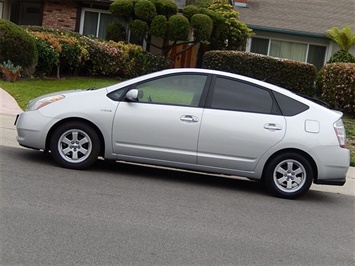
column 138, row 26
column 189, row 11
column 159, row 26
column 202, row 25
column 17, row 46
column 179, row 28
column 169, row 8
column 122, row 8
column 115, row 32
column 93, row 57
column 342, row 57
column 336, row 83
column 48, row 58
column 136, row 61
column 104, row 59
column 296, row 76
column 145, row 10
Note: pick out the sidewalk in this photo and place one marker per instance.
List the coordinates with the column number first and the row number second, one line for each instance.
column 9, row 109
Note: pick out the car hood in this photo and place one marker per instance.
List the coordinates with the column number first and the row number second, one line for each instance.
column 64, row 93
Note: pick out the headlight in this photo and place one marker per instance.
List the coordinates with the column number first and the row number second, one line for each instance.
column 37, row 104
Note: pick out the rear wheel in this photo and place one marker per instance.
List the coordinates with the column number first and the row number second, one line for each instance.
column 288, row 175
column 75, row 145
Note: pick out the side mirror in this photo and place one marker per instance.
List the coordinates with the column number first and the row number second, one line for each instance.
column 132, row 95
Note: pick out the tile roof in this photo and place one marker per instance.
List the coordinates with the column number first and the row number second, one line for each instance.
column 312, row 17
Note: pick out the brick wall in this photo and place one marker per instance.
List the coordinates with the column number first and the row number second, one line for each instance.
column 60, row 15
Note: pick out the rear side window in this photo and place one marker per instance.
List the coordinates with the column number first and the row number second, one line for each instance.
column 289, row 106
column 230, row 94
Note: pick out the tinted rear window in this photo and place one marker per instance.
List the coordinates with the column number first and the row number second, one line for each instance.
column 234, row 95
column 289, row 106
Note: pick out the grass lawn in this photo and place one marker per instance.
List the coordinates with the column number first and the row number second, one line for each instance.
column 25, row 90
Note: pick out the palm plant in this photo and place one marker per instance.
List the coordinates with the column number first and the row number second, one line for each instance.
column 344, row 38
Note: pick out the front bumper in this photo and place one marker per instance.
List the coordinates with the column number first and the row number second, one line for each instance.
column 32, row 129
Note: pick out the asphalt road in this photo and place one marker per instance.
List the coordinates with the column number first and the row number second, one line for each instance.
column 120, row 214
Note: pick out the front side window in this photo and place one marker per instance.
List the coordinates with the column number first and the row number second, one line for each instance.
column 176, row 89
column 229, row 94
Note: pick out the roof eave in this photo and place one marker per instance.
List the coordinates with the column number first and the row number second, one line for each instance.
column 291, row 32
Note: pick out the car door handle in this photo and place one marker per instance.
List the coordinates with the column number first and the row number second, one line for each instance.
column 189, row 118
column 272, row 126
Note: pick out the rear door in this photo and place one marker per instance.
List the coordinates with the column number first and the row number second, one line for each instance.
column 164, row 124
column 241, row 122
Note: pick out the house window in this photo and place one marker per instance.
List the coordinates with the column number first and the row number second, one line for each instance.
column 94, row 22
column 314, row 54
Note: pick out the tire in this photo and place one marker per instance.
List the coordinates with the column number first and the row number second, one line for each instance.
column 75, row 145
column 288, row 175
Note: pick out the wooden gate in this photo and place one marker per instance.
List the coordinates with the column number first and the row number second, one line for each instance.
column 186, row 59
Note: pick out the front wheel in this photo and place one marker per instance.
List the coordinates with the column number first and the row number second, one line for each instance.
column 75, row 145
column 288, row 175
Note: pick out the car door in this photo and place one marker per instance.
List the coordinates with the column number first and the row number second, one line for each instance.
column 164, row 123
column 241, row 122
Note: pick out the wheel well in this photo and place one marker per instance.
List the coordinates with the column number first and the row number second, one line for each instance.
column 61, row 122
column 296, row 151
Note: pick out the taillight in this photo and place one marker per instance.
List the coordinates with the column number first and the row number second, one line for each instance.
column 340, row 132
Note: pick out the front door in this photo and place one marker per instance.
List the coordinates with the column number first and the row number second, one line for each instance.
column 163, row 125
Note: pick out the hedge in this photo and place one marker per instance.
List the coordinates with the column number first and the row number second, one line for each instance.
column 336, row 83
column 296, row 76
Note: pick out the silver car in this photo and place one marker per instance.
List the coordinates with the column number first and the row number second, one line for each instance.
column 197, row 119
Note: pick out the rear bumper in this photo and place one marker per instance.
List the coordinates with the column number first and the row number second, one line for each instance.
column 332, row 164
column 334, row 182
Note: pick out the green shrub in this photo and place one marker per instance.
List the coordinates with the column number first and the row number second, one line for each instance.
column 169, row 8
column 122, row 8
column 145, row 63
column 138, row 26
column 63, row 50
column 179, row 28
column 94, row 57
column 336, row 82
column 342, row 56
column 296, row 76
column 189, row 11
column 145, row 10
column 135, row 61
column 115, row 32
column 104, row 59
column 48, row 58
column 202, row 25
column 159, row 26
column 18, row 46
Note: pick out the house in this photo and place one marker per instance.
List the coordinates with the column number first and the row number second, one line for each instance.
column 89, row 17
column 291, row 29
column 295, row 29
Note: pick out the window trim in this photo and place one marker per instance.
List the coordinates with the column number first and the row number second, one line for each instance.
column 82, row 18
column 1, row 9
